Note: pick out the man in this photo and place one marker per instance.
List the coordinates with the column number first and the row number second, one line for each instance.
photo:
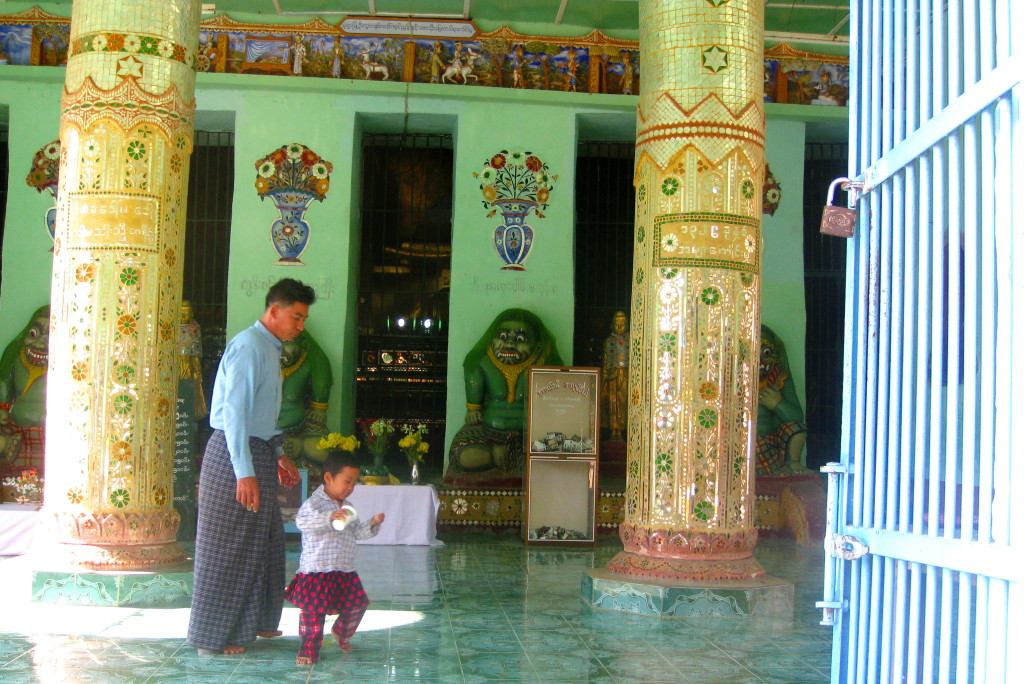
column 239, row 559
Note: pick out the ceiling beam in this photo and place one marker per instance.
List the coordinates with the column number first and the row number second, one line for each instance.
column 561, row 11
column 372, row 7
column 408, row 15
column 816, row 38
column 465, row 8
column 840, row 25
column 791, row 6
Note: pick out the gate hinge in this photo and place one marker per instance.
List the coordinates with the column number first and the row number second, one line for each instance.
column 830, row 607
column 834, row 469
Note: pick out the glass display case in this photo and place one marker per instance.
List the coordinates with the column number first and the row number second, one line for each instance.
column 561, row 444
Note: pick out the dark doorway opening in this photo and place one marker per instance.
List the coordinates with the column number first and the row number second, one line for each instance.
column 404, row 280
column 604, row 243
column 211, row 184
column 825, row 300
column 605, row 218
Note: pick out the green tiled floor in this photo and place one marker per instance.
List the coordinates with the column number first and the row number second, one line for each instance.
column 481, row 609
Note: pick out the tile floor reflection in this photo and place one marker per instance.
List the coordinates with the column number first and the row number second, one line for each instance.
column 481, row 609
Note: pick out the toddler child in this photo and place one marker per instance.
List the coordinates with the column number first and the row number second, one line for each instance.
column 326, row 582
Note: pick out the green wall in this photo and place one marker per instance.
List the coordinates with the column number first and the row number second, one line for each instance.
column 330, row 117
column 782, row 281
column 32, row 99
column 480, row 288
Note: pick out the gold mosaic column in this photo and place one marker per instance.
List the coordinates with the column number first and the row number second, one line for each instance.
column 126, row 137
column 695, row 321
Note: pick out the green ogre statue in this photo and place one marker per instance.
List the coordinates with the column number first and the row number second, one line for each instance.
column 781, row 432
column 491, row 441
column 23, row 394
column 305, row 390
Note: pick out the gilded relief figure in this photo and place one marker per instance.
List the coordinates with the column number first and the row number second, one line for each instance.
column 627, row 73
column 436, row 63
column 298, row 55
column 570, row 71
column 517, row 67
column 336, row 59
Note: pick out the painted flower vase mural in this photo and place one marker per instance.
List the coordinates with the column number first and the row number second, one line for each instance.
column 515, row 183
column 44, row 176
column 292, row 176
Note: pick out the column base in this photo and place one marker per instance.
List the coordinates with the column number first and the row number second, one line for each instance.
column 111, row 557
column 634, row 565
column 165, row 587
column 760, row 597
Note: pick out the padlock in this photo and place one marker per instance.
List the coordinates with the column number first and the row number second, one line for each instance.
column 840, row 221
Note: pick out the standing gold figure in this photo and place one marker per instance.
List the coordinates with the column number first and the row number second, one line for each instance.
column 615, row 377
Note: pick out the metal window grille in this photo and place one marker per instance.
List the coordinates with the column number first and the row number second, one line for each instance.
column 207, row 241
column 405, row 263
column 605, row 219
column 824, row 297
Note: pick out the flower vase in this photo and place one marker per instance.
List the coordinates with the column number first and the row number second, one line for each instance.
column 376, row 474
column 513, row 239
column 290, row 233
column 50, row 218
column 414, row 476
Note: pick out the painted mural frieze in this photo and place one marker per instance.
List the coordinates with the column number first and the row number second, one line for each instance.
column 443, row 52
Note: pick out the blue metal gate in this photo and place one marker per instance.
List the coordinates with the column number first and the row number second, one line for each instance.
column 926, row 525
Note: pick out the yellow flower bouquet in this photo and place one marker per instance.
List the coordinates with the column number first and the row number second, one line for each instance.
column 335, row 441
column 414, row 448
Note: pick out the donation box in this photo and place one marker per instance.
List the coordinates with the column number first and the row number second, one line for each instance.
column 561, row 441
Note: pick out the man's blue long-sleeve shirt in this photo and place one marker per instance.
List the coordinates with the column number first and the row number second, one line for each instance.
column 247, row 394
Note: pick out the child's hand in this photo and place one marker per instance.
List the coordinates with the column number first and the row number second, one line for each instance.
column 377, row 519
column 339, row 514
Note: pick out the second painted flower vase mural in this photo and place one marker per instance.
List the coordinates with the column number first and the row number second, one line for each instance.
column 292, row 176
column 44, row 175
column 514, row 184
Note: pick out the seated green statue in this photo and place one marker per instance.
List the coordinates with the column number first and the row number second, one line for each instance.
column 496, row 384
column 781, row 432
column 306, row 381
column 23, row 394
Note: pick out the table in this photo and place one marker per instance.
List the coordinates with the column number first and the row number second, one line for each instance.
column 17, row 527
column 410, row 513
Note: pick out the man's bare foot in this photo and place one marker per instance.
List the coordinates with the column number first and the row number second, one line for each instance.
column 229, row 649
column 304, row 660
column 269, row 635
column 344, row 645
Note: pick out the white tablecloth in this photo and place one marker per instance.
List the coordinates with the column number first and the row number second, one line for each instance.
column 410, row 513
column 17, row 527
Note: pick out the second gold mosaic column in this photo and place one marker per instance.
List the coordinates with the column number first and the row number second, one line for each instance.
column 126, row 137
column 696, row 293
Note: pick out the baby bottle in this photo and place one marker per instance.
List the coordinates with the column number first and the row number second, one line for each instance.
column 348, row 516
